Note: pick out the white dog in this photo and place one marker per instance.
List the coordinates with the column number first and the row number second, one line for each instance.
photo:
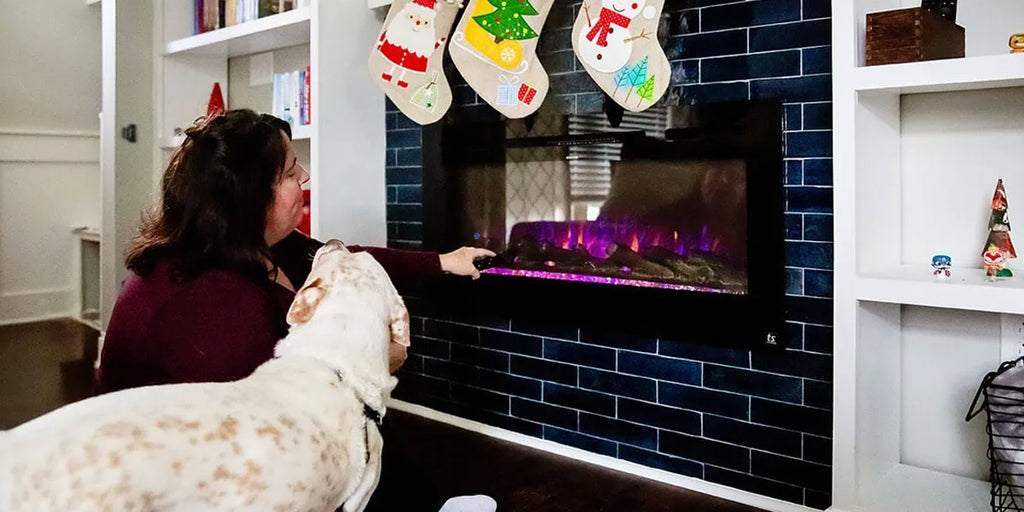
column 299, row 434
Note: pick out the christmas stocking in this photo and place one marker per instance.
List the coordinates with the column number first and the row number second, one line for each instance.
column 406, row 59
column 617, row 42
column 495, row 49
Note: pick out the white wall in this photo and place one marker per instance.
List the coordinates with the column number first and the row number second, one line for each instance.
column 49, row 65
column 49, row 151
column 952, row 158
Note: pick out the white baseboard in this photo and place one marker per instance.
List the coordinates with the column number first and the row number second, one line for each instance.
column 36, row 305
column 693, row 484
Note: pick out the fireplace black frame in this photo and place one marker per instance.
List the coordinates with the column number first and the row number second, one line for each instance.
column 752, row 130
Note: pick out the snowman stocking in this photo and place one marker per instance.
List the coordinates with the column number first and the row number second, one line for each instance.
column 617, row 42
column 495, row 49
column 406, row 59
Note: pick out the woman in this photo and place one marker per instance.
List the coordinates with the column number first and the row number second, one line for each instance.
column 215, row 268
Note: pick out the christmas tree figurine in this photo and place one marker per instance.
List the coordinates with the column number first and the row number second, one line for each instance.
column 998, row 247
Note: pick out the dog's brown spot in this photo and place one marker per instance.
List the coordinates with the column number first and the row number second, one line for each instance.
column 222, row 474
column 115, row 459
column 92, row 453
column 228, row 429
column 121, row 429
column 176, row 466
column 176, row 423
column 273, row 432
column 201, row 485
column 297, row 487
column 149, row 500
column 289, row 423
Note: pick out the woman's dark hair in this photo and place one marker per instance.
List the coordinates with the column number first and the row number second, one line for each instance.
column 215, row 194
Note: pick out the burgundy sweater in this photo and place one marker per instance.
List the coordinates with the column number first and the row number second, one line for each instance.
column 220, row 325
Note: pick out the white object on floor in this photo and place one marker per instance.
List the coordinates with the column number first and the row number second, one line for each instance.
column 474, row 503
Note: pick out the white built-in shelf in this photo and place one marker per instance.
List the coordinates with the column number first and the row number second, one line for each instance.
column 171, row 142
column 907, row 488
column 92, row 2
column 374, row 4
column 289, row 28
column 942, row 75
column 966, row 289
column 302, row 132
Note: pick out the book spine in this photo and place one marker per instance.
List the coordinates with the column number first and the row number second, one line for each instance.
column 309, row 103
column 296, row 102
column 302, row 97
column 197, row 16
column 275, row 109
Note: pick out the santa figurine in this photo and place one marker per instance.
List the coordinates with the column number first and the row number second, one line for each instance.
column 992, row 260
column 410, row 40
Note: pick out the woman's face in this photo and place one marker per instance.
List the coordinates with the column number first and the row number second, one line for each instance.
column 285, row 212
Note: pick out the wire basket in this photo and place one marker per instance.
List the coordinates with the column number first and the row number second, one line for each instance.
column 1003, row 392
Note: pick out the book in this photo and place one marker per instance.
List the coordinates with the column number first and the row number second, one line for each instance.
column 306, row 87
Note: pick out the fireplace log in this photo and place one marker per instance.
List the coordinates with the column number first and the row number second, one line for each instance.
column 698, row 267
column 625, row 256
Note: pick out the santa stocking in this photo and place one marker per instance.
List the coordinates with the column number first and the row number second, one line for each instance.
column 617, row 42
column 495, row 49
column 406, row 59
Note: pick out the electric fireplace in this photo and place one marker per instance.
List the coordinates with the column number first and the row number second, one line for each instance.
column 669, row 223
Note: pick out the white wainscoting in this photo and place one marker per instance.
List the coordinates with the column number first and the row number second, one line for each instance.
column 49, row 184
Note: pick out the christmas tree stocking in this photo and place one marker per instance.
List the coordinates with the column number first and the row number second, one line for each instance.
column 617, row 42
column 495, row 49
column 406, row 59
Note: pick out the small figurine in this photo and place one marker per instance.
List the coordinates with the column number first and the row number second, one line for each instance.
column 941, row 264
column 993, row 261
column 1017, row 43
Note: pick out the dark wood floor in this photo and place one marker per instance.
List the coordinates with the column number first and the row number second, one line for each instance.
column 44, row 365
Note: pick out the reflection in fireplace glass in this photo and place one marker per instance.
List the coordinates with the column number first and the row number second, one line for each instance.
column 585, row 211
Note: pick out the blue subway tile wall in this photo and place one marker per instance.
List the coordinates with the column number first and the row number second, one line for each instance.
column 758, row 421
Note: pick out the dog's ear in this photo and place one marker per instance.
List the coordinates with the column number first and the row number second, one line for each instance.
column 306, row 301
column 399, row 321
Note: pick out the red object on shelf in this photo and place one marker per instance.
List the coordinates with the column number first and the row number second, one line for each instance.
column 216, row 104
column 305, row 223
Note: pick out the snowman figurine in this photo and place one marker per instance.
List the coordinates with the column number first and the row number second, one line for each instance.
column 607, row 42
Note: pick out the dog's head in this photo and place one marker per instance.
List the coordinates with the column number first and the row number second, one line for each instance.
column 347, row 290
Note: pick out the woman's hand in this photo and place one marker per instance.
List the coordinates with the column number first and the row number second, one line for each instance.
column 460, row 261
column 397, row 355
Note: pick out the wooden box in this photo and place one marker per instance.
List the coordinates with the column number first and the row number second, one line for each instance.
column 911, row 35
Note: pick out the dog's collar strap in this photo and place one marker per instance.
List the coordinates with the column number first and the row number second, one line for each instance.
column 371, row 414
